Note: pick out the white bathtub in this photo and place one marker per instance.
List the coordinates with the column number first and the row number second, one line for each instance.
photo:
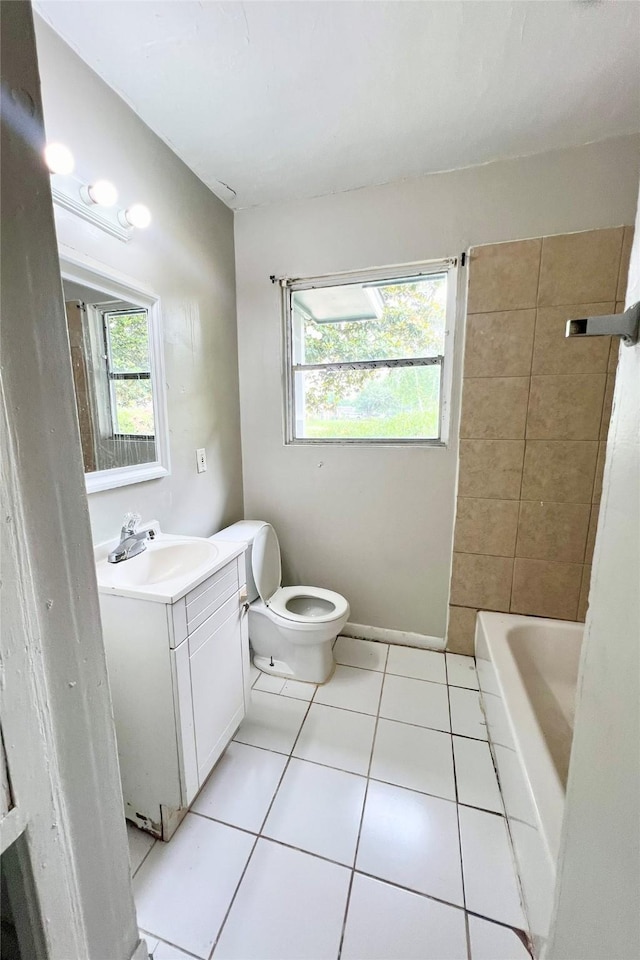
column 528, row 670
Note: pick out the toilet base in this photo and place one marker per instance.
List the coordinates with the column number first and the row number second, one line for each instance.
column 275, row 668
column 278, row 668
column 298, row 651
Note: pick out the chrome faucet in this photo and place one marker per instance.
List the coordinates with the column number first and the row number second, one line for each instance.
column 131, row 542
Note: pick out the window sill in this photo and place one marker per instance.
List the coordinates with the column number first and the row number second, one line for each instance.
column 367, row 442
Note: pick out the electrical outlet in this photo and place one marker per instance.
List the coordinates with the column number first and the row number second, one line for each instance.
column 201, row 459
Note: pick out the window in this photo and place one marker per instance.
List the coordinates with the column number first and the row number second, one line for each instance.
column 368, row 356
column 126, row 338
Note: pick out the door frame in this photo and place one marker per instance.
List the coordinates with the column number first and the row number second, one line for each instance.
column 63, row 796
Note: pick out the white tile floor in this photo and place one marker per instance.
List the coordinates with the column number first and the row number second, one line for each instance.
column 359, row 820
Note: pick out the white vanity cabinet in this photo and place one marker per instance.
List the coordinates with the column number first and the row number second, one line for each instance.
column 179, row 678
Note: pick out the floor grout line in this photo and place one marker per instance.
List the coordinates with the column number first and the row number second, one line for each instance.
column 418, row 726
column 364, row 805
column 418, row 893
column 317, row 763
column 233, row 898
column 521, row 934
column 371, row 876
column 467, row 932
column 155, row 840
column 347, row 902
column 389, row 783
column 188, row 953
column 286, row 767
column 260, row 835
column 264, row 821
column 359, row 666
column 498, row 923
column 225, row 823
column 455, row 780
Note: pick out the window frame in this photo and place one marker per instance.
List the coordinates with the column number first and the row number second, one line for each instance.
column 397, row 272
column 112, row 377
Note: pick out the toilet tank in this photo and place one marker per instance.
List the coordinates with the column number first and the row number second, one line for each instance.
column 243, row 531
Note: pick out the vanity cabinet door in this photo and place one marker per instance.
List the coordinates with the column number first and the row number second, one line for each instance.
column 217, row 688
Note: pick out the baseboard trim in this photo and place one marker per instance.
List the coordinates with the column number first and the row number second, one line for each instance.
column 401, row 637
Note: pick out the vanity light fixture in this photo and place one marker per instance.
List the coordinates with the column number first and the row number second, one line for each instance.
column 59, row 158
column 93, row 202
column 136, row 215
column 102, row 192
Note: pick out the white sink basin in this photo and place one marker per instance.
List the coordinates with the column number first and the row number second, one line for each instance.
column 166, row 570
column 162, row 560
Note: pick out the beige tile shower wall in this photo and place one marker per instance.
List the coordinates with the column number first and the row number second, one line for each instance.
column 535, row 415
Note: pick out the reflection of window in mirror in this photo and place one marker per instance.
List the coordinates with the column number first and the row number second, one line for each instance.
column 112, row 376
column 116, row 359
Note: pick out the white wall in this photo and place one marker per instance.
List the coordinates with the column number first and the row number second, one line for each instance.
column 187, row 258
column 598, row 890
column 376, row 523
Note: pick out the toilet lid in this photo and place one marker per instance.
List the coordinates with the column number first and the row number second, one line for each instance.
column 265, row 562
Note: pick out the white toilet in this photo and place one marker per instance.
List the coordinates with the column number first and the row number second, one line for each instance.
column 291, row 629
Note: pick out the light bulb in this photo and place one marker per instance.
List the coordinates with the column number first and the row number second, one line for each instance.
column 136, row 215
column 101, row 192
column 59, row 158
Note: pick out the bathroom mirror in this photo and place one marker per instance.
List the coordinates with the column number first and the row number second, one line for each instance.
column 116, row 355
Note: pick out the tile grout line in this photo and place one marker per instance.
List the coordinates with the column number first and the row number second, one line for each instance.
column 364, row 873
column 264, row 822
column 155, row 840
column 405, row 723
column 385, row 672
column 455, row 781
column 498, row 923
column 467, row 933
column 524, row 436
column 225, row 823
column 514, row 865
column 364, row 804
column 362, row 776
column 316, row 763
column 259, row 836
column 188, row 953
column 289, row 846
column 353, row 870
column 526, row 421
column 350, row 773
column 286, row 767
column 417, row 893
column 232, row 901
column 364, row 713
column 368, row 778
column 371, row 876
column 507, row 825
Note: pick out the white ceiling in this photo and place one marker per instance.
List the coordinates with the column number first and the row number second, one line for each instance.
column 268, row 101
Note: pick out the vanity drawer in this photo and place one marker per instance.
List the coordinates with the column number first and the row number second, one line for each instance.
column 212, row 623
column 211, row 582
column 186, row 615
column 217, row 591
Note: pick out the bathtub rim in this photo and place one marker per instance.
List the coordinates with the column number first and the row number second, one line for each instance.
column 543, row 782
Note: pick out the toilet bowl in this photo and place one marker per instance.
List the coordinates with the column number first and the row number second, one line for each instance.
column 291, row 629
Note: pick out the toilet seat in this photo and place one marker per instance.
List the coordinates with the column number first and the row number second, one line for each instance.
column 283, row 604
column 301, row 604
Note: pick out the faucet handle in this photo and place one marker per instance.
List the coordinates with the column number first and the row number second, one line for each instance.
column 129, row 524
